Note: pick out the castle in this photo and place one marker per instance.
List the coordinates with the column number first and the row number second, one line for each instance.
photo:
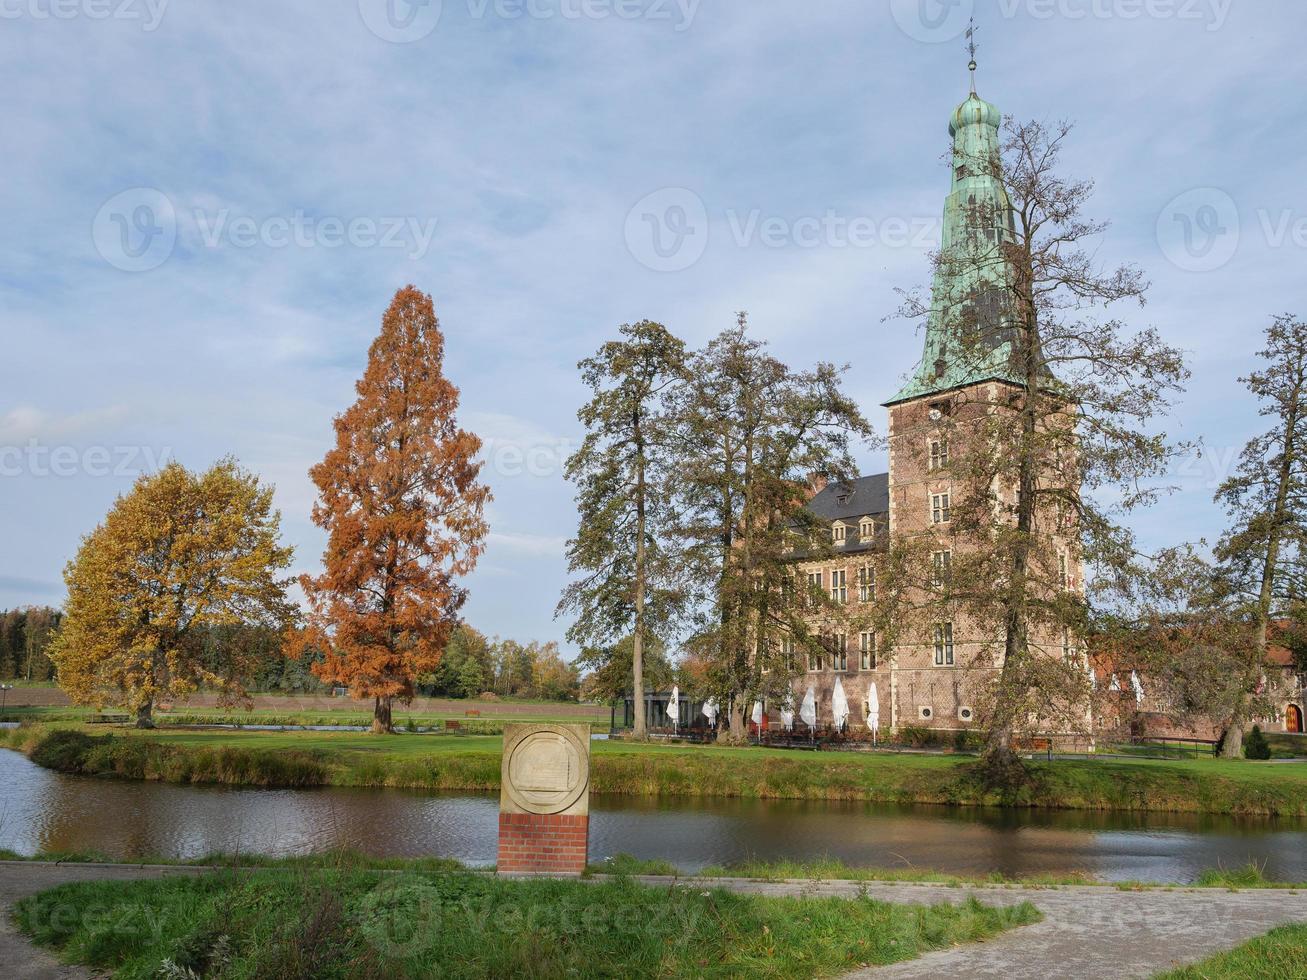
column 929, row 678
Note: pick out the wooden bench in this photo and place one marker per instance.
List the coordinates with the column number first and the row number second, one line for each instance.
column 108, row 718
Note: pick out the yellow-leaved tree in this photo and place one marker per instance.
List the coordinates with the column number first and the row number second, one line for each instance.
column 182, row 554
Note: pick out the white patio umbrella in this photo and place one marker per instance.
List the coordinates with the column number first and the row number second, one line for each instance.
column 839, row 705
column 787, row 714
column 710, row 710
column 674, row 707
column 1137, row 687
column 1115, row 685
column 757, row 713
column 871, row 709
column 808, row 710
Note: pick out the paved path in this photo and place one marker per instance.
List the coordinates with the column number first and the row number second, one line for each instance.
column 1087, row 932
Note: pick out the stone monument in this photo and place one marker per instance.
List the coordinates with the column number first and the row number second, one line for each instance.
column 544, row 799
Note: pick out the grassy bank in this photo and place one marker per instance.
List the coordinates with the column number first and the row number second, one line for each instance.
column 1281, row 953
column 625, row 865
column 364, row 924
column 470, row 763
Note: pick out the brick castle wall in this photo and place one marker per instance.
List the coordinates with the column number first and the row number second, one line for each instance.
column 532, row 843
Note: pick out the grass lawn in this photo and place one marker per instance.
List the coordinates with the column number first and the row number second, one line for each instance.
column 1280, row 954
column 355, row 923
column 448, row 762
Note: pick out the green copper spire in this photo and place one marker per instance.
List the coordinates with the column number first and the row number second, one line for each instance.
column 966, row 337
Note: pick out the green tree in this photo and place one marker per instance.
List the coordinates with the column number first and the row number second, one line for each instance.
column 610, row 673
column 629, row 570
column 1261, row 558
column 180, row 554
column 750, row 433
column 554, row 679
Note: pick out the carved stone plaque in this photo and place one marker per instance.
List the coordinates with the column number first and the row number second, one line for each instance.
column 546, row 769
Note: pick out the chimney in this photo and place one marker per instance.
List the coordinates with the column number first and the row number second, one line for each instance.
column 816, row 483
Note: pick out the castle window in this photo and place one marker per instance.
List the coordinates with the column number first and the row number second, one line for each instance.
column 816, row 663
column 943, row 644
column 839, row 589
column 867, row 529
column 867, row 651
column 839, row 647
column 814, row 586
column 941, row 565
column 787, row 654
column 866, row 584
column 1063, row 573
column 839, row 533
column 938, row 454
column 1066, row 646
column 940, row 508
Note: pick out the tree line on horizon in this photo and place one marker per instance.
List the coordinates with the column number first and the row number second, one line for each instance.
column 25, row 637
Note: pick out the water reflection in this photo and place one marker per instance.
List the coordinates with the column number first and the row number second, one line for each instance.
column 40, row 810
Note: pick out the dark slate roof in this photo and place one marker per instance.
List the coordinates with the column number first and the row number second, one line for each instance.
column 864, row 497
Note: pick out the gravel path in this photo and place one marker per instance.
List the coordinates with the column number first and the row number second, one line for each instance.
column 1087, row 932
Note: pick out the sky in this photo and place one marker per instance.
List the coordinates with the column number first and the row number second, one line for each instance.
column 207, row 207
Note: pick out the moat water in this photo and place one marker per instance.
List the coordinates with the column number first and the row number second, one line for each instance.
column 45, row 811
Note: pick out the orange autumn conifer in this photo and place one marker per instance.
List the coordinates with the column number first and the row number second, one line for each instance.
column 403, row 508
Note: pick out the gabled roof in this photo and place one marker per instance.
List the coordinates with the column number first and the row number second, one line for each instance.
column 866, row 496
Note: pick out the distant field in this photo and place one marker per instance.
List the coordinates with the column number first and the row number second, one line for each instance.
column 280, row 705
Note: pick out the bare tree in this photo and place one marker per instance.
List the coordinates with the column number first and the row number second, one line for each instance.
column 1050, row 419
column 1261, row 560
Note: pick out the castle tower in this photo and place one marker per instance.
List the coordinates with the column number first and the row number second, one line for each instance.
column 965, row 373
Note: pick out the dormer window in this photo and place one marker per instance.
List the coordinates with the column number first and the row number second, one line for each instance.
column 839, row 533
column 867, row 529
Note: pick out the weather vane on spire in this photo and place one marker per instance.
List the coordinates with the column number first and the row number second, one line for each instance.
column 971, row 47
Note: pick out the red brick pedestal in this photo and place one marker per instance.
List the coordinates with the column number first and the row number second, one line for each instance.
column 533, row 843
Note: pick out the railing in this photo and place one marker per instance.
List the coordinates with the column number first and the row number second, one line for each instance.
column 1132, row 747
column 1059, row 746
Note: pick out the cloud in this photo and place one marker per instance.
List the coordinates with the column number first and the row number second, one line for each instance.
column 26, row 422
column 528, row 140
column 530, row 544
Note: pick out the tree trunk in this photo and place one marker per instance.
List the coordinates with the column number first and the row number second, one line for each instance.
column 145, row 715
column 739, row 731
column 639, row 731
column 381, row 721
column 1232, row 747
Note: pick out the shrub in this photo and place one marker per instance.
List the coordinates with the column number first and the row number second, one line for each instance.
column 1257, row 747
column 63, row 751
